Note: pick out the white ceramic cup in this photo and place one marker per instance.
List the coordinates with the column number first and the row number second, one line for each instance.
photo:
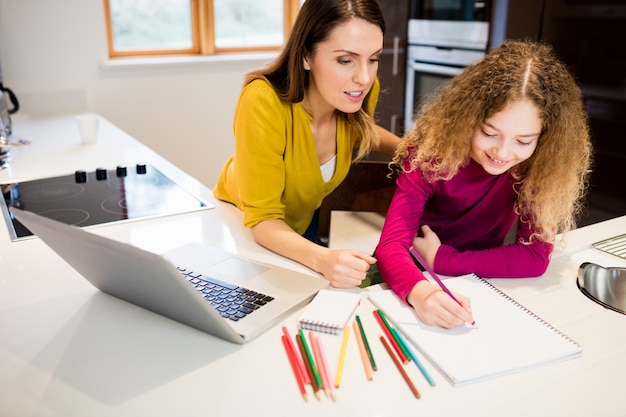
column 88, row 127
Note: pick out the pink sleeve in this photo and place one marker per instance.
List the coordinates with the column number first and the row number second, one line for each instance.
column 516, row 260
column 401, row 224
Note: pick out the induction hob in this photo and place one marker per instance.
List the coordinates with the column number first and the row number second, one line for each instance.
column 97, row 198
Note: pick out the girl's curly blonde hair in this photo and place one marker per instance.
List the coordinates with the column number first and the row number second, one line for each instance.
column 553, row 181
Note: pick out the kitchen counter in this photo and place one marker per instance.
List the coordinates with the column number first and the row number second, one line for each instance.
column 68, row 350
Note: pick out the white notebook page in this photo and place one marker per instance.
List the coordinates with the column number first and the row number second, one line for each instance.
column 508, row 337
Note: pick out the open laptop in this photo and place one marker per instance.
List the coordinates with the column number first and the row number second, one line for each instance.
column 167, row 284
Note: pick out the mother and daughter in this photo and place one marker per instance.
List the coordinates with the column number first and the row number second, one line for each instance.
column 504, row 143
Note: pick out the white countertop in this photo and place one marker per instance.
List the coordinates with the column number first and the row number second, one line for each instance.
column 68, row 350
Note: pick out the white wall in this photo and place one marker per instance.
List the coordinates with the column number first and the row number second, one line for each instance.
column 54, row 57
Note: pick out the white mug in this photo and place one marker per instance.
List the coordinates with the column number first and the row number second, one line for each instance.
column 88, row 127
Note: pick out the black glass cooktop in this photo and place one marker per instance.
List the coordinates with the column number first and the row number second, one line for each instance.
column 98, row 197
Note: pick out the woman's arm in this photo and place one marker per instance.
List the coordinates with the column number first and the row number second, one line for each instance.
column 388, row 141
column 343, row 268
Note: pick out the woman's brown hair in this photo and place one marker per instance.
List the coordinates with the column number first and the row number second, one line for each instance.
column 313, row 25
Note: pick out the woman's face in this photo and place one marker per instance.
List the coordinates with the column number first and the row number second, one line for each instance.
column 343, row 68
column 507, row 138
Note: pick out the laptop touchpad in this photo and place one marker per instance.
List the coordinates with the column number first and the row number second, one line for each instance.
column 237, row 269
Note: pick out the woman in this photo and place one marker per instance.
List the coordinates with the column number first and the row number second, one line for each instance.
column 505, row 141
column 296, row 125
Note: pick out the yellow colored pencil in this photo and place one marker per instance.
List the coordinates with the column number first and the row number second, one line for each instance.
column 342, row 356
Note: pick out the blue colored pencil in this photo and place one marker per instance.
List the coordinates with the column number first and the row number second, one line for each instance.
column 406, row 346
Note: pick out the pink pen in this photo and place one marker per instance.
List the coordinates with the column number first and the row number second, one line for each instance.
column 432, row 273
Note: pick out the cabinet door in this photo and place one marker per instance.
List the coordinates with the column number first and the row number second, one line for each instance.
column 392, row 66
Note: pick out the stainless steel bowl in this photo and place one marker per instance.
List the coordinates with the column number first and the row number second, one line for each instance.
column 605, row 286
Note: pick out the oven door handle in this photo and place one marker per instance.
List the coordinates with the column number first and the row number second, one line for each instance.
column 435, row 69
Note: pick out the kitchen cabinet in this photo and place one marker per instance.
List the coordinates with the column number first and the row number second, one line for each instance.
column 392, row 66
column 590, row 37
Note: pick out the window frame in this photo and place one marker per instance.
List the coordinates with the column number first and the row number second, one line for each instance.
column 203, row 33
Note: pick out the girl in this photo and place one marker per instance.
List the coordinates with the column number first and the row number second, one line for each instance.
column 504, row 142
column 296, row 125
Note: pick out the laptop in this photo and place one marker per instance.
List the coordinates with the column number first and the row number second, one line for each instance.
column 172, row 284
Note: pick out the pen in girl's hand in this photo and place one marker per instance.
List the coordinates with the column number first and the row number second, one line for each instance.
column 432, row 273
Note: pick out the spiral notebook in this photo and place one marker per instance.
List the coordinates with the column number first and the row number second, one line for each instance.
column 508, row 338
column 330, row 311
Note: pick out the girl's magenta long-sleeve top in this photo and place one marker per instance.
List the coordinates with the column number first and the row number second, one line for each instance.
column 472, row 214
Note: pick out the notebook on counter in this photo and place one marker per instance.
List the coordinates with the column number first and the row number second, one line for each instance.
column 330, row 311
column 507, row 338
column 179, row 284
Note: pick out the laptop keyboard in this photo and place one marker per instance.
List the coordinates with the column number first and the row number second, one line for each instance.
column 231, row 301
column 615, row 246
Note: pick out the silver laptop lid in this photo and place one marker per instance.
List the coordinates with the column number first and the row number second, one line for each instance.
column 152, row 282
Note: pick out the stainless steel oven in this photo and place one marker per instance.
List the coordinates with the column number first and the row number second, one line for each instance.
column 451, row 10
column 437, row 51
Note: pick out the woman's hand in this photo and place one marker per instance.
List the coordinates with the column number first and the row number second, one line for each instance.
column 436, row 308
column 345, row 268
column 427, row 245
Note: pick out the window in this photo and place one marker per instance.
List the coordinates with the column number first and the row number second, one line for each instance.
column 197, row 27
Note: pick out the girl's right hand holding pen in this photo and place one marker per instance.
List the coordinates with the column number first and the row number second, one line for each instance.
column 436, row 308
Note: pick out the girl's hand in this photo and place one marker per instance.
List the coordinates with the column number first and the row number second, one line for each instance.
column 436, row 308
column 345, row 268
column 428, row 245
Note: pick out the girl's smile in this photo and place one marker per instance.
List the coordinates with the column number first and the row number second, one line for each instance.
column 507, row 138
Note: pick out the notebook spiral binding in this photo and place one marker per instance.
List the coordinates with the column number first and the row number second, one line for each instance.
column 526, row 310
column 318, row 326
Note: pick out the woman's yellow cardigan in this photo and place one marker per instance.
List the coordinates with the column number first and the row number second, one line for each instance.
column 274, row 172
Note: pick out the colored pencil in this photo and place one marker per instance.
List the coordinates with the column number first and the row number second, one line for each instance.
column 404, row 357
column 300, row 363
column 315, row 348
column 400, row 367
column 309, row 366
column 413, row 357
column 432, row 273
column 366, row 343
column 367, row 366
column 387, row 332
column 342, row 356
column 325, row 370
column 294, row 366
column 316, row 372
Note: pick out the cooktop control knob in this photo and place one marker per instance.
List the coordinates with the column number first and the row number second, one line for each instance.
column 141, row 169
column 121, row 171
column 101, row 174
column 80, row 176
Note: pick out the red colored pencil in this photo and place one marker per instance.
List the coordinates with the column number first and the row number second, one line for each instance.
column 392, row 339
column 400, row 367
column 301, row 367
column 294, row 366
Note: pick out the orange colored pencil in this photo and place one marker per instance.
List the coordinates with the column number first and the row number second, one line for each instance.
column 294, row 366
column 400, row 367
column 367, row 365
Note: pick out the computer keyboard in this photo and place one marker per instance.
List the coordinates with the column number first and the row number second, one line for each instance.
column 614, row 246
column 231, row 301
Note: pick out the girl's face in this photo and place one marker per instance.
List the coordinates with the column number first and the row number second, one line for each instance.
column 507, row 138
column 343, row 68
